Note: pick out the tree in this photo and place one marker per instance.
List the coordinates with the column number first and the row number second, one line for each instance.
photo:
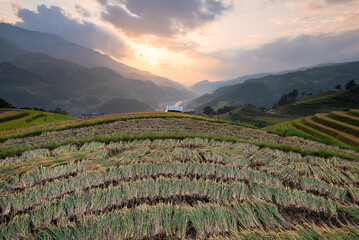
column 350, row 84
column 5, row 104
column 293, row 94
column 225, row 109
column 59, row 110
column 287, row 98
column 39, row 109
column 208, row 110
column 338, row 87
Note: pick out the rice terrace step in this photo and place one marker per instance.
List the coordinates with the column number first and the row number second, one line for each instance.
column 139, row 176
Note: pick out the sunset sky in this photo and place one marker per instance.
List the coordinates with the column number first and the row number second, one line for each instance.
column 192, row 40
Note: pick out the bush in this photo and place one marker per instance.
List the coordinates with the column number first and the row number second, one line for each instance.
column 5, row 104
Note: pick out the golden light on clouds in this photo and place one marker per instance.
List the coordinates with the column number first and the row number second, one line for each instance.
column 181, row 42
column 153, row 62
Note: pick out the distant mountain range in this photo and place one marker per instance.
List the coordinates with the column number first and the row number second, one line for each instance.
column 205, row 86
column 34, row 41
column 265, row 91
column 43, row 70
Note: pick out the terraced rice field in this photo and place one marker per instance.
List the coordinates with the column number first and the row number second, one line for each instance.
column 12, row 119
column 338, row 126
column 7, row 115
column 175, row 178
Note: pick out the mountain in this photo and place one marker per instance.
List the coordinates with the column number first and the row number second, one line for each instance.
column 24, row 89
column 39, row 80
column 34, row 41
column 265, row 91
column 9, row 51
column 119, row 105
column 205, row 86
column 323, row 102
column 99, row 82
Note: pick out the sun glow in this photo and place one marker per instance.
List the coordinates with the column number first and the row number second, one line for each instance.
column 154, row 62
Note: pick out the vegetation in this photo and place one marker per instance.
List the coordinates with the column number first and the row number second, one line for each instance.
column 337, row 127
column 190, row 188
column 15, row 119
column 174, row 176
column 10, row 114
column 258, row 117
column 5, row 104
column 208, row 110
column 78, row 123
column 155, row 126
column 350, row 84
column 323, row 102
column 287, row 98
column 266, row 91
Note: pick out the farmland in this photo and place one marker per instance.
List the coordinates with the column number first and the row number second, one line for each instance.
column 338, row 127
column 14, row 119
column 173, row 176
column 323, row 102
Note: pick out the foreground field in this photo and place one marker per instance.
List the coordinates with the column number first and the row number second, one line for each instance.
column 337, row 127
column 14, row 119
column 177, row 178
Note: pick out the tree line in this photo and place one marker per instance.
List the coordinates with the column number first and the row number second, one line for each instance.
column 6, row 104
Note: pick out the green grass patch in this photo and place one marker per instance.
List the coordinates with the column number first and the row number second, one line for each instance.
column 297, row 128
column 335, row 133
column 31, row 118
column 8, row 115
column 343, row 118
column 354, row 112
column 337, row 126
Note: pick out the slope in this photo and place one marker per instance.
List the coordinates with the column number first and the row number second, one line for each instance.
column 181, row 180
column 29, row 118
column 205, row 86
column 99, row 82
column 118, row 105
column 342, row 130
column 25, row 89
column 324, row 102
column 33, row 41
column 308, row 81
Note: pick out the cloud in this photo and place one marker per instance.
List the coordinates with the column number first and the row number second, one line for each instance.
column 164, row 18
column 319, row 4
column 82, row 11
column 173, row 45
column 339, row 1
column 16, row 6
column 288, row 53
column 56, row 21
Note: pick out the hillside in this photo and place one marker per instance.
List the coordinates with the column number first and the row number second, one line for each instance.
column 119, row 105
column 205, row 86
column 11, row 119
column 265, row 91
column 34, row 41
column 338, row 127
column 39, row 80
column 323, row 102
column 173, row 176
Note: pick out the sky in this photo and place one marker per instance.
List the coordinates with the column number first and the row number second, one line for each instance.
column 192, row 40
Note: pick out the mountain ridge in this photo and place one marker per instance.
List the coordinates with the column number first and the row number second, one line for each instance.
column 53, row 45
column 311, row 80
